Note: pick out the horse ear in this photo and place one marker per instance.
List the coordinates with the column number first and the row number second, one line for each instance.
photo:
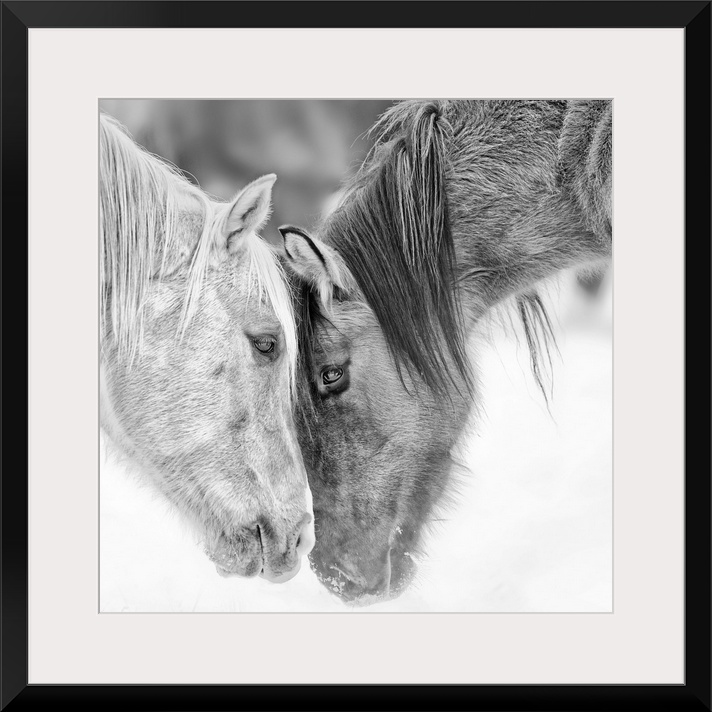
column 249, row 211
column 315, row 262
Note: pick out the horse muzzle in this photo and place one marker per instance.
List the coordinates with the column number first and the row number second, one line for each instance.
column 260, row 550
column 381, row 579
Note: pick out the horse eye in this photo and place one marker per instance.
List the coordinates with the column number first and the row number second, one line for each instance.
column 265, row 346
column 331, row 375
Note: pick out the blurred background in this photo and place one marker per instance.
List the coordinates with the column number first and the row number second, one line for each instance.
column 222, row 145
column 532, row 526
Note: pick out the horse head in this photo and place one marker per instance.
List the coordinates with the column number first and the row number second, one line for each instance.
column 198, row 358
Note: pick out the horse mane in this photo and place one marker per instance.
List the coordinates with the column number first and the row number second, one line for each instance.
column 143, row 200
column 539, row 335
column 392, row 230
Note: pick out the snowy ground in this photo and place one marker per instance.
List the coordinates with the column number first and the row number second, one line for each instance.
column 532, row 530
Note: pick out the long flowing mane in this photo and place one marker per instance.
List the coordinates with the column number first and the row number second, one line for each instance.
column 392, row 229
column 143, row 202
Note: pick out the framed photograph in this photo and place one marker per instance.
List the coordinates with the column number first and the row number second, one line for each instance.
column 365, row 345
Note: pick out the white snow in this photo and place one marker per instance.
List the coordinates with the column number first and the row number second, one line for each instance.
column 532, row 529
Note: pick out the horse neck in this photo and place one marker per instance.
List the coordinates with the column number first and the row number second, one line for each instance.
column 112, row 434
column 516, row 222
column 494, row 263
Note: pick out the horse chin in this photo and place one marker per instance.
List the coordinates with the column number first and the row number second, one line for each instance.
column 352, row 589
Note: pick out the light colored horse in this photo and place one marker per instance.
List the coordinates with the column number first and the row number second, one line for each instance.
column 198, row 349
column 460, row 205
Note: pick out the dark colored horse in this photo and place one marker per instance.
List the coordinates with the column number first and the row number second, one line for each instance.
column 460, row 205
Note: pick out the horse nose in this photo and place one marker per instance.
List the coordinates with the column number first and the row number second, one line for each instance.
column 280, row 567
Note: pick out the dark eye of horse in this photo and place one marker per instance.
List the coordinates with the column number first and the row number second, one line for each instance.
column 331, row 375
column 265, row 346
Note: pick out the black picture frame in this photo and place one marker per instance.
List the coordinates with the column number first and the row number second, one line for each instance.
column 694, row 17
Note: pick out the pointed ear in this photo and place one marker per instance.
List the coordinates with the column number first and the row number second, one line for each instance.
column 315, row 262
column 249, row 211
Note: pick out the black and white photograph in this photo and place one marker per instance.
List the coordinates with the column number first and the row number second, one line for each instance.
column 364, row 355
column 356, row 355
